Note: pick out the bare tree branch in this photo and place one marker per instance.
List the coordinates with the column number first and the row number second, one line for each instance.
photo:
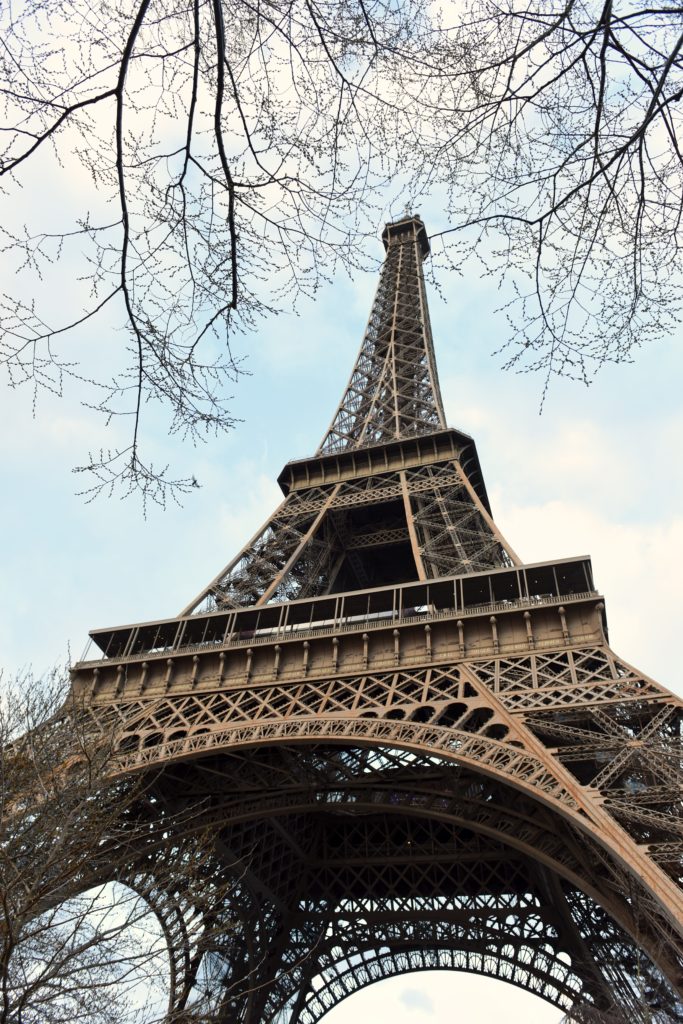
column 564, row 172
column 228, row 167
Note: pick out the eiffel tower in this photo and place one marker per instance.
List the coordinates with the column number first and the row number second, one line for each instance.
column 413, row 749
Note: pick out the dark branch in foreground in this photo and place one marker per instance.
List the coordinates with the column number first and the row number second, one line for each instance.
column 230, row 155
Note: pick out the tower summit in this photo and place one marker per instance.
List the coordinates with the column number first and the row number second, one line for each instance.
column 394, row 389
column 411, row 749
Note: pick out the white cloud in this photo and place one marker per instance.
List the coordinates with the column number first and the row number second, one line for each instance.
column 585, row 480
column 443, row 997
column 632, row 567
column 417, row 999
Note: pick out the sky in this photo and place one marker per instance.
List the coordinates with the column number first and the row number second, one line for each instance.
column 599, row 473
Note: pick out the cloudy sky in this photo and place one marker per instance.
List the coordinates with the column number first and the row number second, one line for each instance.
column 599, row 473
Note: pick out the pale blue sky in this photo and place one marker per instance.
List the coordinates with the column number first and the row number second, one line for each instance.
column 599, row 473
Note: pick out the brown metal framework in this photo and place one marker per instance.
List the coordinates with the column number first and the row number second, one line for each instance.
column 413, row 750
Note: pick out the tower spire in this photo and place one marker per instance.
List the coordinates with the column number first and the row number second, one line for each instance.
column 393, row 392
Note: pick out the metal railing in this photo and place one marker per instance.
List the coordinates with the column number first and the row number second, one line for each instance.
column 354, row 624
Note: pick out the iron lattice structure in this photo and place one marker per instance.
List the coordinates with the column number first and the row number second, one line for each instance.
column 411, row 750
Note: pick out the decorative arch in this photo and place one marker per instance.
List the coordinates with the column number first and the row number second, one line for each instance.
column 564, row 857
column 509, row 761
column 542, row 976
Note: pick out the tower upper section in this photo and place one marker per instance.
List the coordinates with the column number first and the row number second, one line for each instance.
column 392, row 495
column 394, row 391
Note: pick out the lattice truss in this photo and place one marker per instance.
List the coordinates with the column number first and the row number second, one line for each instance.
column 452, row 533
column 517, row 816
column 577, row 728
column 347, row 536
column 424, row 522
column 393, row 391
column 371, row 863
column 615, row 731
column 629, row 751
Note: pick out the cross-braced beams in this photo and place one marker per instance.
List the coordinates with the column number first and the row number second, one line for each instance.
column 389, row 527
column 394, row 390
column 410, row 749
column 516, row 718
column 408, row 865
column 420, row 521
